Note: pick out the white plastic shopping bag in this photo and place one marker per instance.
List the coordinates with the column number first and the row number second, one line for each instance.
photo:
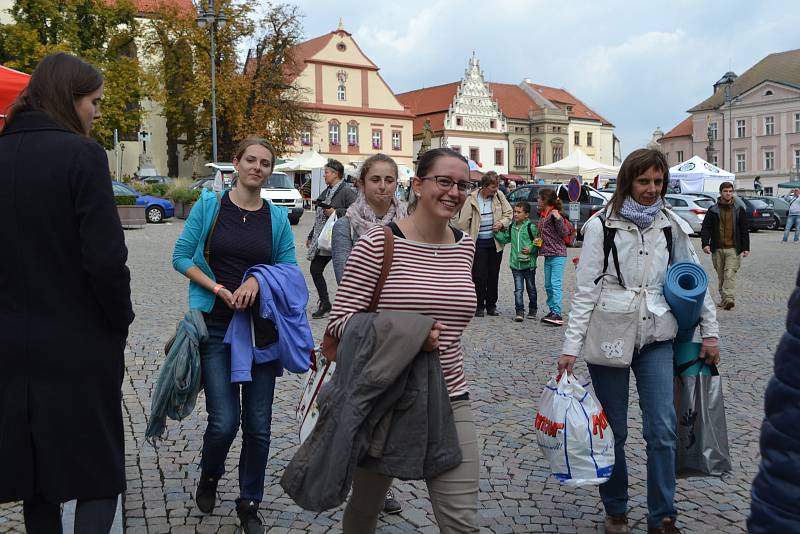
column 325, row 239
column 318, row 375
column 573, row 432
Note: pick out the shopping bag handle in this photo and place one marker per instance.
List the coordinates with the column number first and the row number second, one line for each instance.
column 680, row 369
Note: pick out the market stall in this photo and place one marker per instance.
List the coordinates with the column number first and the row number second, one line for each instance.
column 578, row 164
column 12, row 83
column 696, row 175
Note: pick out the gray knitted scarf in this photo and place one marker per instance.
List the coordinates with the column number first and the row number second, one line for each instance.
column 639, row 214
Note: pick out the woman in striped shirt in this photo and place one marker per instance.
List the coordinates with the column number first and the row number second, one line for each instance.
column 431, row 275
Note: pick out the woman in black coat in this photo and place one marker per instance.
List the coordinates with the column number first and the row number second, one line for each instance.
column 65, row 305
column 776, row 488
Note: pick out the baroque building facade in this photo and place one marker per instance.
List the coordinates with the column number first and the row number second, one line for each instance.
column 749, row 126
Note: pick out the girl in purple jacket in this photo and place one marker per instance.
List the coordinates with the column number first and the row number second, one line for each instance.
column 552, row 231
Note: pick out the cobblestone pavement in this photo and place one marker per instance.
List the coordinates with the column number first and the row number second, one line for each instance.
column 507, row 365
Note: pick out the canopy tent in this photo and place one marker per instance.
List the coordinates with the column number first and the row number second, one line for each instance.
column 513, row 177
column 12, row 83
column 307, row 161
column 789, row 185
column 697, row 175
column 404, row 174
column 577, row 164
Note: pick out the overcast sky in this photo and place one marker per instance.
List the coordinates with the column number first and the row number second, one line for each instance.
column 639, row 63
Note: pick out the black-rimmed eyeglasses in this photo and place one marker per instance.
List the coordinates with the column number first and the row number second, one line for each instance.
column 446, row 183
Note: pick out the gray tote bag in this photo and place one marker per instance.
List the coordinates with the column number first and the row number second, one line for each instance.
column 702, row 428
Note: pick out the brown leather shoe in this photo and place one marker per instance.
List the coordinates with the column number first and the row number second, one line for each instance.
column 617, row 524
column 667, row 527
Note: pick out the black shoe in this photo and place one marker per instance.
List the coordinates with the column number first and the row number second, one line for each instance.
column 532, row 314
column 555, row 320
column 322, row 310
column 249, row 520
column 390, row 504
column 206, row 496
column 492, row 311
column 479, row 312
column 547, row 317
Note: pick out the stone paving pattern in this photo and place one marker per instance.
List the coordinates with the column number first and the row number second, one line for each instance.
column 507, row 365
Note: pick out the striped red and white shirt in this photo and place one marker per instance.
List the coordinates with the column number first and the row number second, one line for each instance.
column 431, row 280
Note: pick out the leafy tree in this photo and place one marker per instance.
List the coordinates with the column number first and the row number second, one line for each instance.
column 103, row 33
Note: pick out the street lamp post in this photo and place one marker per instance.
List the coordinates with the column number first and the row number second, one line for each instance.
column 212, row 20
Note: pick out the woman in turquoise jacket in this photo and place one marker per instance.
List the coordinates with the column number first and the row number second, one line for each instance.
column 224, row 236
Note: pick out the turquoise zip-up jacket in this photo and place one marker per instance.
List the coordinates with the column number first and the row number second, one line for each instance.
column 190, row 245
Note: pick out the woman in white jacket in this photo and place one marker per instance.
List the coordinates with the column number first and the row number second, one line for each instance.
column 637, row 218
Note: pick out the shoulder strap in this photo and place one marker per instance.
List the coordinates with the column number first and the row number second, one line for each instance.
column 668, row 237
column 207, row 248
column 388, row 256
column 609, row 247
column 530, row 232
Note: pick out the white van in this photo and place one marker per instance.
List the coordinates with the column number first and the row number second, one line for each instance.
column 279, row 189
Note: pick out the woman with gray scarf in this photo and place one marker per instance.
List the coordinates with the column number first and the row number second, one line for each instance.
column 375, row 205
column 336, row 198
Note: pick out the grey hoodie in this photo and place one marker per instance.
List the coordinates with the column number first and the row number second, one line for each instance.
column 386, row 410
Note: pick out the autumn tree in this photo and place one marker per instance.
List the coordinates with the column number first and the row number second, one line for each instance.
column 274, row 106
column 103, row 33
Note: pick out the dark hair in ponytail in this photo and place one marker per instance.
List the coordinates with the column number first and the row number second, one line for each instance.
column 550, row 199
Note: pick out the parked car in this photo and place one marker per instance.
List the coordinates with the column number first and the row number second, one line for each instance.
column 759, row 215
column 156, row 209
column 780, row 207
column 165, row 180
column 590, row 200
column 690, row 208
column 281, row 191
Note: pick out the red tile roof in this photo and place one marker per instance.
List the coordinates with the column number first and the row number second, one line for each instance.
column 513, row 101
column 561, row 96
column 684, row 129
column 429, row 99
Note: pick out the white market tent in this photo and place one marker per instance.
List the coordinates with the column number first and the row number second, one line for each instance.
column 578, row 164
column 404, row 174
column 307, row 161
column 696, row 175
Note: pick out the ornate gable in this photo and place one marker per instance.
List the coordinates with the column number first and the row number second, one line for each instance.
column 473, row 108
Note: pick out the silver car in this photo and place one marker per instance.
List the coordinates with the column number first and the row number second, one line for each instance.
column 690, row 208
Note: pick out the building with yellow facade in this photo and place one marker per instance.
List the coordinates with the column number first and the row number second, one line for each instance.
column 357, row 114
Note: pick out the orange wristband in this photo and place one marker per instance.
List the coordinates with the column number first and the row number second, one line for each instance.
column 217, row 288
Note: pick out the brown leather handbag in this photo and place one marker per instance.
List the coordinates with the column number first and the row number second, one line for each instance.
column 331, row 343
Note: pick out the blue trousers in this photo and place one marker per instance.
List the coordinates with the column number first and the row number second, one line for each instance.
column 225, row 411
column 653, row 368
column 524, row 279
column 553, row 274
column 792, row 220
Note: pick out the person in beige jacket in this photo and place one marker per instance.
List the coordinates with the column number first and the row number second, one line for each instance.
column 486, row 211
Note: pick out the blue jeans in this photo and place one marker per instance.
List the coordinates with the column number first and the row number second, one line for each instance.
column 553, row 273
column 792, row 220
column 225, row 410
column 653, row 368
column 524, row 279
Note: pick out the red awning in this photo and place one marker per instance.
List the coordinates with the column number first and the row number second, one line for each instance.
column 12, row 83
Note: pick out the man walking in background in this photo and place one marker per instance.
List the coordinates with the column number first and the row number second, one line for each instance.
column 725, row 235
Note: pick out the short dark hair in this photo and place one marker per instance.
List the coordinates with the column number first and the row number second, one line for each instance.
column 725, row 185
column 336, row 166
column 56, row 83
column 524, row 206
column 489, row 178
column 636, row 164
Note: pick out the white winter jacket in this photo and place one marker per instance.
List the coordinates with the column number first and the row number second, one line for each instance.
column 634, row 248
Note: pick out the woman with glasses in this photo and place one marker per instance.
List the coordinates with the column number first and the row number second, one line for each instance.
column 430, row 275
column 485, row 212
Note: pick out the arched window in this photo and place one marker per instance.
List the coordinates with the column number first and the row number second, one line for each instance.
column 341, row 93
column 352, row 133
column 333, row 132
